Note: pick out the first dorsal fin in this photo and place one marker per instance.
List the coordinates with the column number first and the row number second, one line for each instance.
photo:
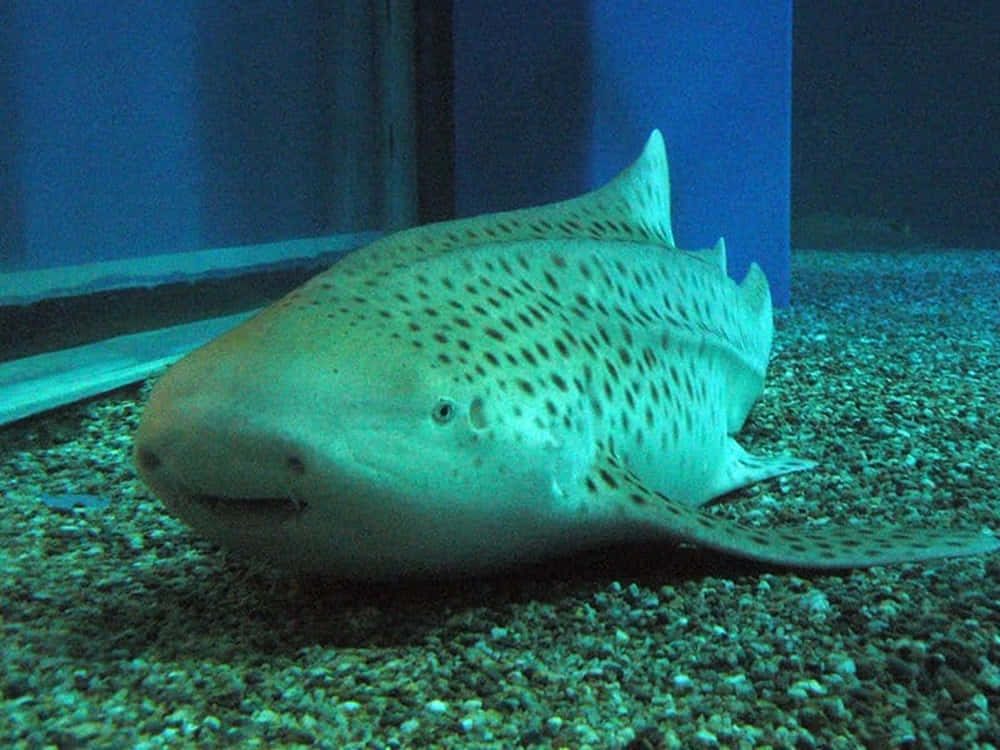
column 633, row 207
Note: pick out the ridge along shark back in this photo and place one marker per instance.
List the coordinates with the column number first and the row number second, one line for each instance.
column 478, row 393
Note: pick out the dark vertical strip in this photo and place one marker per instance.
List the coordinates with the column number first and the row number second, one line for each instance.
column 435, row 80
column 395, row 40
column 12, row 242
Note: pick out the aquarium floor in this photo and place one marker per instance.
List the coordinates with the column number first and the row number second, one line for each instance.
column 121, row 629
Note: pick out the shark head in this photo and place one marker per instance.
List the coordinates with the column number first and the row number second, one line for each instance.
column 364, row 434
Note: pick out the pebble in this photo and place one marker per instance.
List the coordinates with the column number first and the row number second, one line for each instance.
column 437, row 707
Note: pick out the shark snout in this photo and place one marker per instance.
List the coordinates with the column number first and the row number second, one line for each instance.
column 236, row 469
column 195, row 447
column 250, row 468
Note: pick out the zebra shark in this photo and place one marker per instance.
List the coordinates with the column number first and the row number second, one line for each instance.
column 473, row 394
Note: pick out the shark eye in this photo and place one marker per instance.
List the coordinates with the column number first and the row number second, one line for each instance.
column 444, row 411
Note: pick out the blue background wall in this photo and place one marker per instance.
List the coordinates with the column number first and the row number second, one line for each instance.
column 176, row 125
column 552, row 99
column 105, row 163
column 897, row 115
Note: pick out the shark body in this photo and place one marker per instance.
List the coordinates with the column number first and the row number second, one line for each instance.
column 477, row 393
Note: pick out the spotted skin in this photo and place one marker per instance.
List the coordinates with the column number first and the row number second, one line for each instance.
column 474, row 394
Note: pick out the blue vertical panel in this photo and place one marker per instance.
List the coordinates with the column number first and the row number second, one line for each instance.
column 268, row 75
column 11, row 230
column 522, row 102
column 552, row 99
column 107, row 161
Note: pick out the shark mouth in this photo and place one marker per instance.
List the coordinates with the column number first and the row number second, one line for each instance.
column 274, row 507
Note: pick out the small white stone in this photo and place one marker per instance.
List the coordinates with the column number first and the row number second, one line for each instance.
column 437, row 706
column 804, row 688
column 265, row 716
column 846, row 666
column 706, row 738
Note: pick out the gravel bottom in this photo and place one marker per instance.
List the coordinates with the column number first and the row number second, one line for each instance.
column 121, row 629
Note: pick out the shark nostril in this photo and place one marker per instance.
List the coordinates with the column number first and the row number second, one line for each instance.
column 147, row 459
column 295, row 465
